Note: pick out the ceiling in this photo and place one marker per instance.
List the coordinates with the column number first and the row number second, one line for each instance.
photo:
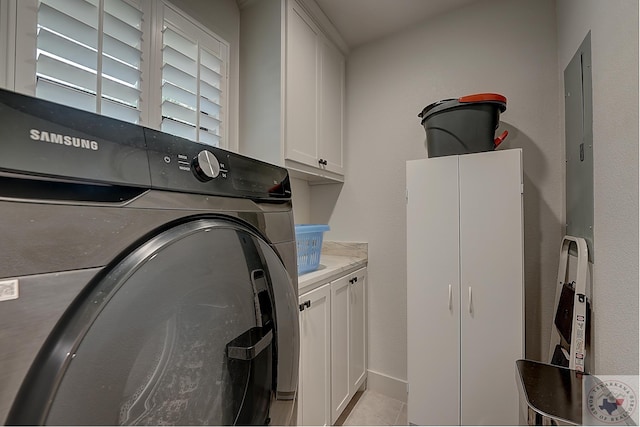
column 362, row 21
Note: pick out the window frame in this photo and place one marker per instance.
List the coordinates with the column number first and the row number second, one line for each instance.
column 7, row 42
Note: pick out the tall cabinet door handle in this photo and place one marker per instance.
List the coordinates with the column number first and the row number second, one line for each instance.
column 469, row 299
column 450, row 302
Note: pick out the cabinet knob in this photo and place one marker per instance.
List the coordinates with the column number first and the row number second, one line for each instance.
column 322, row 162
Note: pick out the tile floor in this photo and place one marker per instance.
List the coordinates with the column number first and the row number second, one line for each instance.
column 369, row 408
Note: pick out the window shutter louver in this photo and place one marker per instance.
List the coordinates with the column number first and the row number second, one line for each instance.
column 179, row 84
column 89, row 55
column 210, row 106
column 193, row 85
column 67, row 57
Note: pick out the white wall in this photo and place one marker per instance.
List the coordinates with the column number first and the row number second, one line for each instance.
column 614, row 46
column 502, row 46
column 301, row 196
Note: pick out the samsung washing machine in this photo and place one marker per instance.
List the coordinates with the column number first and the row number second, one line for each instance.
column 144, row 278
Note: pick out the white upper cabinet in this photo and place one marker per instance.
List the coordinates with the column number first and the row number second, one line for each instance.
column 303, row 75
column 330, row 144
column 292, row 83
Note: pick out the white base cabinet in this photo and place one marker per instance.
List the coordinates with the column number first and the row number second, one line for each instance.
column 314, row 391
column 347, row 339
column 332, row 348
column 465, row 288
column 357, row 331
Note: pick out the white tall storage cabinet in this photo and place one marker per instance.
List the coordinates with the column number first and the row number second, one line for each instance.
column 465, row 280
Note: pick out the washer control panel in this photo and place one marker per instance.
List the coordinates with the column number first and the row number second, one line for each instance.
column 41, row 138
column 182, row 165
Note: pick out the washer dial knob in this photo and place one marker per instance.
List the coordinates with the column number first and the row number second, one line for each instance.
column 205, row 166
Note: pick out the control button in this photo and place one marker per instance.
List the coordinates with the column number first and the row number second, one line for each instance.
column 167, row 159
column 205, row 166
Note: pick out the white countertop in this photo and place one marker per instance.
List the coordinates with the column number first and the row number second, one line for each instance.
column 331, row 267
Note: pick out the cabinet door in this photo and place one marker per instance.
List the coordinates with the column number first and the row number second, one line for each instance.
column 491, row 275
column 302, row 79
column 433, row 299
column 332, row 106
column 315, row 357
column 339, row 346
column 357, row 330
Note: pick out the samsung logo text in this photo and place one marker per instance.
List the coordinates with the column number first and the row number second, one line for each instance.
column 56, row 138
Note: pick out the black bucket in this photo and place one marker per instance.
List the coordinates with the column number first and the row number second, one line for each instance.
column 463, row 125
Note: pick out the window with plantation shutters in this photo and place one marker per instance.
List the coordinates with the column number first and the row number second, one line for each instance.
column 89, row 55
column 193, row 80
column 141, row 61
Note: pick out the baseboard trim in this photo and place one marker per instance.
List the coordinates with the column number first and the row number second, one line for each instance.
column 387, row 385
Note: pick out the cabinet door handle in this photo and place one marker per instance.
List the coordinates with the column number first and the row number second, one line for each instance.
column 304, row 305
column 469, row 299
column 450, row 302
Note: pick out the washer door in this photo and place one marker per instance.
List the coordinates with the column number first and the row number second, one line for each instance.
column 181, row 331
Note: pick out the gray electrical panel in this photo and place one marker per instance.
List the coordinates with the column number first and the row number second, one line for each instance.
column 578, row 107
